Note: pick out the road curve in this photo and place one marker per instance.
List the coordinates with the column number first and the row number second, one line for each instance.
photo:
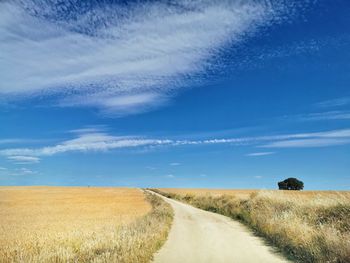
column 198, row 236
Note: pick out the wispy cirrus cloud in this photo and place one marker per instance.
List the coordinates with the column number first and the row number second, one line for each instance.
column 85, row 143
column 9, row 141
column 17, row 171
column 308, row 143
column 315, row 139
column 20, row 159
column 335, row 109
column 151, row 168
column 260, row 154
column 90, row 129
column 22, row 171
column 13, row 141
column 338, row 102
column 328, row 115
column 103, row 142
column 122, row 58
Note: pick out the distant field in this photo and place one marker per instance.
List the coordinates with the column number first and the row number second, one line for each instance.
column 245, row 193
column 311, row 226
column 58, row 224
column 214, row 192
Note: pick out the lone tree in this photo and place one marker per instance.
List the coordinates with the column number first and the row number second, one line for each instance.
column 291, row 184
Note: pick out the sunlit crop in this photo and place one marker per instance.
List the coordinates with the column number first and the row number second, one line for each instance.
column 57, row 224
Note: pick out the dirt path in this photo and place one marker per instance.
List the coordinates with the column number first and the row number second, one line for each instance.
column 198, row 236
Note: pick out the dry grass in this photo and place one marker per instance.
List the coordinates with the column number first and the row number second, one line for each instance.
column 241, row 193
column 58, row 224
column 245, row 193
column 309, row 226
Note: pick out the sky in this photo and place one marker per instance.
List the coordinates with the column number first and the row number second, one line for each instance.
column 209, row 94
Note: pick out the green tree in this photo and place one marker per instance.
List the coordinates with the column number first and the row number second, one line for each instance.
column 291, row 184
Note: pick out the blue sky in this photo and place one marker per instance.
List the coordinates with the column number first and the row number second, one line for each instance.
column 219, row 94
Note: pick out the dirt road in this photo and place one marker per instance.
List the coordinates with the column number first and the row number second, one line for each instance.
column 198, row 236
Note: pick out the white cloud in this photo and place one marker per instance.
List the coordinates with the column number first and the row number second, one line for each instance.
column 170, row 176
column 308, row 143
column 23, row 159
column 258, row 176
column 342, row 135
column 333, row 134
column 9, row 141
column 23, row 171
column 260, row 153
column 102, row 142
column 329, row 115
column 20, row 141
column 118, row 58
column 17, row 171
column 90, row 129
column 85, row 143
column 26, row 171
column 338, row 102
column 174, row 164
column 309, row 140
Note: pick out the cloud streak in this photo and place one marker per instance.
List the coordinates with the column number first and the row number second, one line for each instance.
column 310, row 140
column 323, row 116
column 121, row 58
column 99, row 142
column 20, row 159
column 13, row 141
column 103, row 142
column 22, row 171
column 308, row 143
column 338, row 102
column 260, row 154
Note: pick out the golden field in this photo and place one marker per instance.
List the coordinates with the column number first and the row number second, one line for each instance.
column 309, row 226
column 241, row 193
column 246, row 193
column 66, row 224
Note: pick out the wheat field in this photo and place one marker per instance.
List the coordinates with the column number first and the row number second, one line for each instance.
column 309, row 226
column 80, row 224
